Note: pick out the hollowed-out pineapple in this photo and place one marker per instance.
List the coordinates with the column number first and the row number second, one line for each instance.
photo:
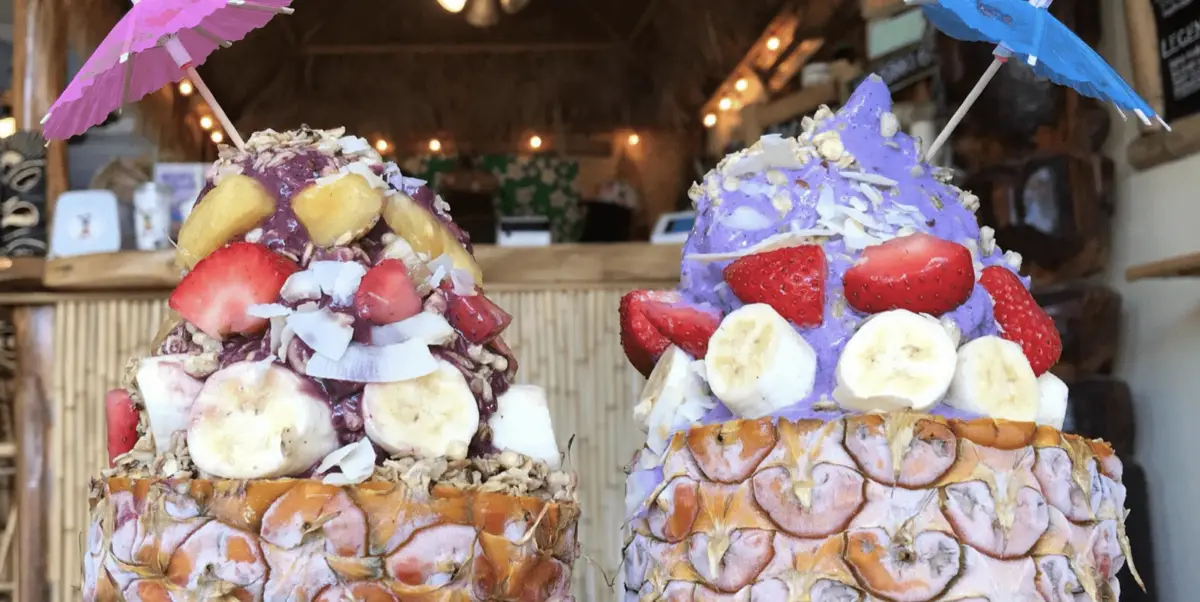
column 338, row 212
column 298, row 539
column 426, row 233
column 232, row 208
column 901, row 506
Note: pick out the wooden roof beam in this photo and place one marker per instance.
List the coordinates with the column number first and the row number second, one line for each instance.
column 464, row 48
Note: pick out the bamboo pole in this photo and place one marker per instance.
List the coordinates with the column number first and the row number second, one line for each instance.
column 34, row 330
column 39, row 76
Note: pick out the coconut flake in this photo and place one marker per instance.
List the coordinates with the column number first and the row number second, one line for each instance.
column 275, row 333
column 439, row 268
column 301, row 286
column 268, row 310
column 856, row 238
column 356, row 461
column 353, row 145
column 745, row 218
column 365, row 169
column 870, row 178
column 376, row 364
column 826, row 203
column 345, row 284
column 463, row 282
column 429, row 327
column 771, row 151
column 328, row 333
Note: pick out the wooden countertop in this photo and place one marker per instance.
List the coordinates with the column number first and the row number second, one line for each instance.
column 1181, row 266
column 575, row 266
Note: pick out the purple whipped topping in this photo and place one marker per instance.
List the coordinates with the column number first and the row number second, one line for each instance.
column 887, row 185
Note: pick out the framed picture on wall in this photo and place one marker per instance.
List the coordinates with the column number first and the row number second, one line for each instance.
column 1164, row 50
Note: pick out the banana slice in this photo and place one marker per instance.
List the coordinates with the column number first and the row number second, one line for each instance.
column 896, row 360
column 168, row 392
column 1052, row 400
column 674, row 398
column 757, row 363
column 522, row 424
column 993, row 378
column 433, row 415
column 259, row 420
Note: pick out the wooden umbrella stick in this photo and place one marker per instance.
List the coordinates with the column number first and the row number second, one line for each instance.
column 218, row 112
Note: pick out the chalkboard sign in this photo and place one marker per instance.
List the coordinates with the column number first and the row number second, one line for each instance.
column 1178, row 23
column 23, row 195
column 904, row 66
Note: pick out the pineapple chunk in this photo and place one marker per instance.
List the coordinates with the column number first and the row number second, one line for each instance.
column 337, row 213
column 426, row 234
column 232, row 208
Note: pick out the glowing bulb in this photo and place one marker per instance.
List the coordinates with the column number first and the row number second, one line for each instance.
column 8, row 127
column 435, row 145
column 725, row 104
column 741, row 84
column 535, row 142
column 185, row 88
column 454, row 6
column 710, row 120
column 773, row 43
column 217, row 137
column 634, row 139
column 381, row 145
column 206, row 122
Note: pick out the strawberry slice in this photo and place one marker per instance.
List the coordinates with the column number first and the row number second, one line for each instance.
column 476, row 317
column 642, row 341
column 386, row 294
column 1021, row 319
column 122, row 417
column 687, row 328
column 214, row 296
column 790, row 280
column 919, row 272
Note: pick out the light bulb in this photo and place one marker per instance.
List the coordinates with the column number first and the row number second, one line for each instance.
column 185, row 88
column 741, row 84
column 710, row 120
column 535, row 142
column 435, row 145
column 8, row 127
column 454, row 6
column 381, row 145
column 634, row 139
column 206, row 122
column 773, row 43
column 217, row 137
column 725, row 104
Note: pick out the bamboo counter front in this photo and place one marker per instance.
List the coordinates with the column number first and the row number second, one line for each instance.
column 95, row 312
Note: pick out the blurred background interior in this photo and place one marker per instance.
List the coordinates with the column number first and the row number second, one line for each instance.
column 564, row 134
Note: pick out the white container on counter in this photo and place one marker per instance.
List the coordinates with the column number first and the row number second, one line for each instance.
column 152, row 204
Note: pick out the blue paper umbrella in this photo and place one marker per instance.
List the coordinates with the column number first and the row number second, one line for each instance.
column 1026, row 30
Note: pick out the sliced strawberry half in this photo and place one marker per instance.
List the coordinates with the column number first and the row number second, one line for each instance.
column 1021, row 319
column 686, row 327
column 214, row 296
column 476, row 317
column 121, row 416
column 918, row 272
column 642, row 341
column 790, row 280
column 386, row 294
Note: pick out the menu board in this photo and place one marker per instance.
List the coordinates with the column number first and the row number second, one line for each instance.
column 1178, row 25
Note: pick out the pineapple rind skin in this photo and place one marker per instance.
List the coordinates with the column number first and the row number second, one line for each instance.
column 159, row 540
column 725, row 523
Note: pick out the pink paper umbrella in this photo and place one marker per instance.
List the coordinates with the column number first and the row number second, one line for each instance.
column 156, row 43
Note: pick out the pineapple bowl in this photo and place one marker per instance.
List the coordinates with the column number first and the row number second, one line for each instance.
column 849, row 396
column 330, row 413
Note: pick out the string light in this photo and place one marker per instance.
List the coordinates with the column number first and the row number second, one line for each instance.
column 435, row 145
column 535, row 142
column 381, row 145
column 773, row 43
column 710, row 120
column 454, row 6
column 725, row 104
column 634, row 139
column 217, row 137
column 185, row 88
column 741, row 84
column 8, row 127
column 206, row 122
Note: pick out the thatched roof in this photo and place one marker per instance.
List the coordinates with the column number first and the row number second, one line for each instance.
column 409, row 70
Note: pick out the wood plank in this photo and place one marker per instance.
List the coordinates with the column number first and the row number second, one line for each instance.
column 39, row 75
column 1154, row 148
column 35, row 331
column 1182, row 266
column 21, row 272
column 556, row 266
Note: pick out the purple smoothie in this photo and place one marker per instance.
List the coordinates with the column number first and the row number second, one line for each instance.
column 811, row 188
